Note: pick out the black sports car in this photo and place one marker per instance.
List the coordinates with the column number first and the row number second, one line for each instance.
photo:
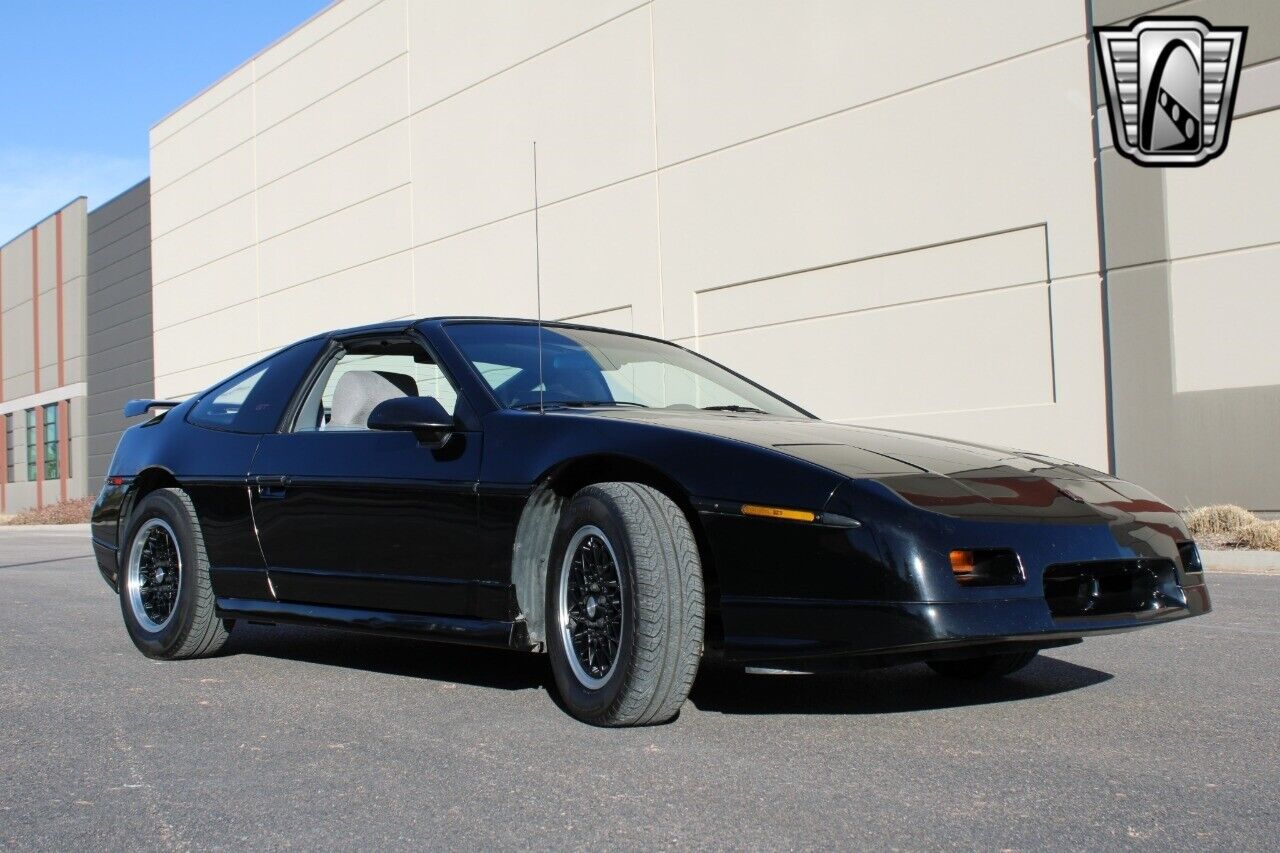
column 621, row 503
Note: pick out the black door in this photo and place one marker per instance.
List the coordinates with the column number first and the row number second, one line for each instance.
column 361, row 519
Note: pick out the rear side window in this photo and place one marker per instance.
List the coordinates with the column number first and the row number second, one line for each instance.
column 254, row 400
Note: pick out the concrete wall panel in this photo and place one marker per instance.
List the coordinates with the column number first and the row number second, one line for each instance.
column 187, row 345
column 202, row 103
column 485, row 271
column 880, row 179
column 224, row 179
column 1220, row 292
column 600, row 252
column 230, row 281
column 1231, row 201
column 17, row 258
column 118, row 331
column 46, row 267
column 729, row 70
column 185, row 382
column 967, row 266
column 359, row 171
column 621, row 318
column 913, row 348
column 215, row 235
column 214, row 133
column 324, row 25
column 456, row 45
column 360, row 108
column 19, row 356
column 382, row 287
column 589, row 105
column 348, row 238
column 1070, row 426
column 370, row 39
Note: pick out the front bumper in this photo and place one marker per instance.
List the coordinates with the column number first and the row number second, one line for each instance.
column 105, row 529
column 885, row 589
column 782, row 629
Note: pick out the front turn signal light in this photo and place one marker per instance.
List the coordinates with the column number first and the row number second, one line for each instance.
column 986, row 567
column 778, row 512
column 962, row 563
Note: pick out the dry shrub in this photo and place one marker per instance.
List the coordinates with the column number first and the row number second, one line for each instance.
column 1259, row 536
column 1219, row 519
column 75, row 511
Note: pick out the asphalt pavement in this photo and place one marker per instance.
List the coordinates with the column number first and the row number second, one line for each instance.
column 1168, row 737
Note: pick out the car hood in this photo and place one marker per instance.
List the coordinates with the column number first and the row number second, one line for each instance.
column 946, row 476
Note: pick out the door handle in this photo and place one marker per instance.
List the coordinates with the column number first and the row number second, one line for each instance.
column 271, row 487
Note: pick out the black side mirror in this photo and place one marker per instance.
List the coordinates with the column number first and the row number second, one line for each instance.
column 422, row 416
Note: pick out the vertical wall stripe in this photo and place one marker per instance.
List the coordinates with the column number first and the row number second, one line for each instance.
column 35, row 303
column 62, row 376
column 64, row 412
column 1, row 326
column 35, row 326
column 4, row 421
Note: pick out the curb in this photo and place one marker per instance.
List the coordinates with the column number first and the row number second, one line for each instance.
column 70, row 529
column 1242, row 562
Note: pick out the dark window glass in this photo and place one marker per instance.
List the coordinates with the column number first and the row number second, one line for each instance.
column 51, row 441
column 589, row 367
column 31, row 445
column 254, row 400
column 8, row 447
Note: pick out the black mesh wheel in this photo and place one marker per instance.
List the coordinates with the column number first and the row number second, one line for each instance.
column 165, row 593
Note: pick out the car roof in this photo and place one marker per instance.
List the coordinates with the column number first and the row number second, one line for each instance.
column 395, row 326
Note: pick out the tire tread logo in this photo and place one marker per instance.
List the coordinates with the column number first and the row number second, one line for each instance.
column 1171, row 87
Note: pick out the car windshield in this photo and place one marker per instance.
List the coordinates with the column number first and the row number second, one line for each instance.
column 586, row 367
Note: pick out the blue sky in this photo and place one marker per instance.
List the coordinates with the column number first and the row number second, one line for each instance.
column 82, row 81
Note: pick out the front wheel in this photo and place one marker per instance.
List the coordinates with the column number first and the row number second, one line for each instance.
column 165, row 593
column 987, row 666
column 624, row 606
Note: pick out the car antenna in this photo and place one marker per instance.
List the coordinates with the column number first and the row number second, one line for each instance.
column 537, row 268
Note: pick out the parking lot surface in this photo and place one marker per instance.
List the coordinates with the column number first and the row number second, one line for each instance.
column 1166, row 738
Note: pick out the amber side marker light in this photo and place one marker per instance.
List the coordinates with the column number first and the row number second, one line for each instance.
column 962, row 563
column 778, row 512
column 986, row 567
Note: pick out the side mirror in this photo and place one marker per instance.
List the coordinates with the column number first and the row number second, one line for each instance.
column 422, row 416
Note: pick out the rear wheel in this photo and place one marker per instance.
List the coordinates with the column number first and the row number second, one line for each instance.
column 165, row 594
column 987, row 666
column 624, row 606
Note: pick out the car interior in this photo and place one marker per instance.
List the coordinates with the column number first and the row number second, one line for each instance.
column 363, row 374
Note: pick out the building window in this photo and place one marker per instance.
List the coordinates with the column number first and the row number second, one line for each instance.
column 31, row 445
column 51, row 441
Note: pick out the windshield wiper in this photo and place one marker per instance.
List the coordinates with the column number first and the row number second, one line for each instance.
column 750, row 409
column 579, row 404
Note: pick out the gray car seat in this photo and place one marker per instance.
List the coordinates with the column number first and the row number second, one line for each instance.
column 359, row 391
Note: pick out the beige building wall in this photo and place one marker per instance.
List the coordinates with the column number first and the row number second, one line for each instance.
column 1194, row 292
column 43, row 357
column 884, row 211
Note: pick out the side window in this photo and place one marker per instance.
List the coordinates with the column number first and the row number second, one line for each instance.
column 254, row 400
column 221, row 407
column 364, row 374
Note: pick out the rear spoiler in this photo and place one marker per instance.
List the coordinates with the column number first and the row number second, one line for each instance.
column 133, row 408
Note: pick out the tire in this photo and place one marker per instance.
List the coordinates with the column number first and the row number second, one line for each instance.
column 985, row 667
column 658, row 611
column 189, row 627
